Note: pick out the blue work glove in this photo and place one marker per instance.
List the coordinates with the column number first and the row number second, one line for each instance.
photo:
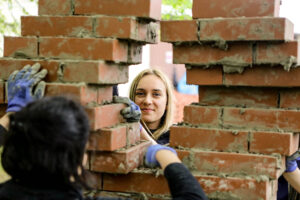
column 150, row 159
column 132, row 113
column 25, row 86
column 291, row 162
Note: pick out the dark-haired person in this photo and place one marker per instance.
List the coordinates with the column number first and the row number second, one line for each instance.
column 45, row 141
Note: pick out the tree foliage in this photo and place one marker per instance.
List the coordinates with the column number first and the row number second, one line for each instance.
column 176, row 9
column 9, row 24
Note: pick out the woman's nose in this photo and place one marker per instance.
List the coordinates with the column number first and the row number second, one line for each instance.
column 147, row 99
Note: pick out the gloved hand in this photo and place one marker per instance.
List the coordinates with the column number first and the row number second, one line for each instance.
column 25, row 86
column 150, row 159
column 291, row 162
column 132, row 113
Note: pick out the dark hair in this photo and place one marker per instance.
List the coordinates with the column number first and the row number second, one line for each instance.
column 46, row 141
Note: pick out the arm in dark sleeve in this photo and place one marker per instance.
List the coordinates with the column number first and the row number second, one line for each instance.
column 3, row 132
column 182, row 183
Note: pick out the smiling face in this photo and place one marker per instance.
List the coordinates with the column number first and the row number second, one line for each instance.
column 151, row 97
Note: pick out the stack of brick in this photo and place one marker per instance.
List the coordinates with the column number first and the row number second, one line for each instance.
column 87, row 47
column 244, row 59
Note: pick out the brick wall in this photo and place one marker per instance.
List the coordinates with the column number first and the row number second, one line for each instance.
column 242, row 56
column 244, row 59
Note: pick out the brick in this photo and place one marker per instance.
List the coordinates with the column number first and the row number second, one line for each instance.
column 274, row 142
column 24, row 47
column 236, row 96
column 262, row 119
column 126, row 28
column 72, row 26
column 197, row 115
column 209, row 139
column 230, row 29
column 2, row 92
column 145, row 9
column 135, row 53
column 179, row 31
column 132, row 183
column 83, row 48
column 235, row 8
column 105, row 115
column 238, row 54
column 81, row 92
column 133, row 135
column 113, row 138
column 119, row 161
column 264, row 76
column 204, row 76
column 246, row 29
column 55, row 7
column 290, row 98
column 233, row 163
column 108, row 139
column 286, row 54
column 94, row 72
column 238, row 188
column 8, row 66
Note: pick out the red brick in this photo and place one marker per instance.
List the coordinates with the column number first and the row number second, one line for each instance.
column 24, row 47
column 290, row 98
column 138, row 8
column 233, row 163
column 83, row 48
column 238, row 188
column 246, row 29
column 265, row 76
column 55, row 7
column 133, row 135
column 74, row 26
column 2, row 92
column 126, row 28
column 105, row 115
column 8, row 65
column 108, row 139
column 137, row 181
column 197, row 115
column 239, row 54
column 113, row 138
column 95, row 72
column 119, row 161
column 286, row 54
column 135, row 51
column 210, row 139
column 262, row 119
column 179, row 31
column 81, row 92
column 235, row 96
column 274, row 142
column 204, row 76
column 235, row 8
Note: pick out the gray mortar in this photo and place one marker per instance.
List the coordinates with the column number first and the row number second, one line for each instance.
column 228, row 69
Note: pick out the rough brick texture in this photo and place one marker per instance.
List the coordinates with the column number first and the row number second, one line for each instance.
column 235, row 8
column 145, row 9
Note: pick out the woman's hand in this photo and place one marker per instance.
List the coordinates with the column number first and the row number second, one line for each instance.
column 25, row 86
column 132, row 113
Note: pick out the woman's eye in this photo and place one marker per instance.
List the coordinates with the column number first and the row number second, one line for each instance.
column 156, row 94
column 139, row 93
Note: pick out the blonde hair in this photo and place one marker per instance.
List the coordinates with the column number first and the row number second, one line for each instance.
column 169, row 113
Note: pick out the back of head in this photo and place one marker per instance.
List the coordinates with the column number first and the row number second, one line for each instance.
column 46, row 141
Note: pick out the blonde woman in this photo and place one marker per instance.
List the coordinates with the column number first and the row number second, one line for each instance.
column 152, row 91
